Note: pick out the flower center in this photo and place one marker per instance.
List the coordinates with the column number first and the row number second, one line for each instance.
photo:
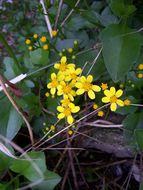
column 113, row 99
column 73, row 76
column 67, row 89
column 67, row 111
column 62, row 67
column 54, row 83
column 87, row 86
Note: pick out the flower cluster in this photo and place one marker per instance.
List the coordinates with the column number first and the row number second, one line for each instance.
column 68, row 82
column 140, row 68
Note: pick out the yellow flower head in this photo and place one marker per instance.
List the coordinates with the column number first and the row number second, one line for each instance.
column 47, row 94
column 63, row 66
column 111, row 96
column 53, row 84
column 52, row 128
column 95, row 106
column 100, row 113
column 45, row 47
column 35, row 36
column 66, row 112
column 140, row 75
column 43, row 39
column 54, row 33
column 72, row 74
column 85, row 85
column 70, row 132
column 127, row 102
column 27, row 41
column 66, row 90
column 140, row 66
column 30, row 48
column 70, row 50
column 104, row 86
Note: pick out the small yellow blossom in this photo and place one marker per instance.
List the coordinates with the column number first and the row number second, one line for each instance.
column 43, row 39
column 66, row 112
column 140, row 66
column 30, row 48
column 104, row 86
column 112, row 96
column 140, row 75
column 54, row 33
column 53, row 84
column 72, row 74
column 35, row 36
column 52, row 128
column 85, row 85
column 70, row 50
column 127, row 102
column 66, row 101
column 63, row 66
column 95, row 106
column 70, row 132
column 27, row 41
column 66, row 89
column 45, row 47
column 100, row 113
column 47, row 94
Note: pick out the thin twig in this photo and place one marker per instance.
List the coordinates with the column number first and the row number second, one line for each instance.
column 70, row 13
column 58, row 14
column 17, row 109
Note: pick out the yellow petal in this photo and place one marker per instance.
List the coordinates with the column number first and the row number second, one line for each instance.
column 53, row 91
column 75, row 109
column 119, row 93
column 63, row 59
column 56, row 66
column 80, row 91
column 107, row 93
column 70, row 65
column 82, row 79
column 105, row 99
column 78, row 85
column 96, row 88
column 53, row 76
column 78, row 71
column 113, row 107
column 60, row 108
column 113, row 90
column 91, row 94
column 49, row 85
column 89, row 78
column 61, row 116
column 120, row 102
column 70, row 119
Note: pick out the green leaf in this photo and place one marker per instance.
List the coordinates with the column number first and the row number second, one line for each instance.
column 39, row 57
column 49, row 183
column 139, row 138
column 10, row 121
column 141, row 186
column 26, row 168
column 122, row 10
column 121, row 48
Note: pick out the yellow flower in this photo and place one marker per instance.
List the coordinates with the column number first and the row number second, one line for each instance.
column 45, row 47
column 127, row 102
column 30, row 48
column 66, row 112
column 70, row 50
column 52, row 128
column 72, row 74
column 140, row 66
column 140, row 75
column 54, row 33
column 70, row 132
column 66, row 90
column 27, row 41
column 95, row 106
column 104, row 86
column 47, row 94
column 63, row 66
column 43, row 39
column 35, row 36
column 66, row 101
column 85, row 85
column 53, row 84
column 112, row 97
column 100, row 113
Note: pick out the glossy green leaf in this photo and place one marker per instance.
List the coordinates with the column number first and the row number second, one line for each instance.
column 10, row 121
column 121, row 48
